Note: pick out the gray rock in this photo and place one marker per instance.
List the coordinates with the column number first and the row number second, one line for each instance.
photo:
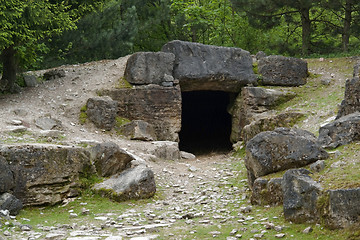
column 259, row 55
column 54, row 74
column 186, row 155
column 133, row 183
column 317, row 166
column 269, row 122
column 267, row 192
column 11, row 203
column 205, row 67
column 102, row 111
column 138, row 130
column 283, row 71
column 30, row 80
column 150, row 68
column 281, row 149
column 340, row 132
column 48, row 123
column 156, row 105
column 166, row 150
column 253, row 102
column 6, row 176
column 351, row 102
column 45, row 174
column 342, row 209
column 110, row 159
column 301, row 194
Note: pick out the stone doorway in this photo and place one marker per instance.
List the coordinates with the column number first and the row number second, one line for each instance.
column 206, row 123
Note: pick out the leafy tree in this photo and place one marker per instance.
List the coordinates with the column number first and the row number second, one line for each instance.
column 270, row 13
column 22, row 24
column 346, row 14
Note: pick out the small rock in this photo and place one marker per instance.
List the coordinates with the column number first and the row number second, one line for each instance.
column 25, row 228
column 73, row 215
column 278, row 228
column 280, row 235
column 231, row 238
column 186, row 155
column 317, row 166
column 308, row 230
column 258, row 236
column 233, row 232
column 325, row 82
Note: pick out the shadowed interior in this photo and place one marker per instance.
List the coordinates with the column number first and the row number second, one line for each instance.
column 206, row 124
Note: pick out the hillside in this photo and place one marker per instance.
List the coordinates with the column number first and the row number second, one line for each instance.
column 204, row 198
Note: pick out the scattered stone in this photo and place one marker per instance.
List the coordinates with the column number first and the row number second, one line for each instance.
column 133, row 183
column 233, row 232
column 11, row 203
column 102, row 111
column 281, row 149
column 283, row 71
column 54, row 236
column 30, row 80
column 342, row 131
column 205, row 67
column 48, row 123
column 259, row 235
column 186, row 155
column 317, row 166
column 259, row 55
column 342, row 207
column 25, row 228
column 54, row 74
column 308, row 230
column 280, row 235
column 166, row 150
column 301, row 194
column 351, row 103
column 326, row 82
column 267, row 192
column 110, row 159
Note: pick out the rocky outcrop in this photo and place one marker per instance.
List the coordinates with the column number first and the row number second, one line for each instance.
column 11, row 203
column 281, row 149
column 204, row 67
column 144, row 68
column 269, row 122
column 109, row 159
column 251, row 104
column 341, row 207
column 102, row 111
column 133, row 183
column 138, row 130
column 267, row 192
column 351, row 102
column 340, row 132
column 157, row 105
column 301, row 194
column 283, row 71
column 42, row 174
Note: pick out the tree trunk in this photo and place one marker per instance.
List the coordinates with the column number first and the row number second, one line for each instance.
column 347, row 25
column 306, row 30
column 7, row 82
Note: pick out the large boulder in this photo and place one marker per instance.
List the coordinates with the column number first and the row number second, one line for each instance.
column 351, row 102
column 110, row 159
column 269, row 122
column 281, row 149
column 267, row 192
column 102, row 111
column 6, row 176
column 253, row 102
column 340, row 132
column 283, row 71
column 157, row 105
column 301, row 194
column 341, row 207
column 204, row 67
column 150, row 68
column 11, row 203
column 42, row 173
column 133, row 183
column 138, row 130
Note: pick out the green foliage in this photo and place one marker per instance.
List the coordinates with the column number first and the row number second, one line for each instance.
column 83, row 115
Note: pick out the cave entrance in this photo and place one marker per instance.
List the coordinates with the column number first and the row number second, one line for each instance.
column 206, row 123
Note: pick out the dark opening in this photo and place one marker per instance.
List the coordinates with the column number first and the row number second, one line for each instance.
column 206, row 124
